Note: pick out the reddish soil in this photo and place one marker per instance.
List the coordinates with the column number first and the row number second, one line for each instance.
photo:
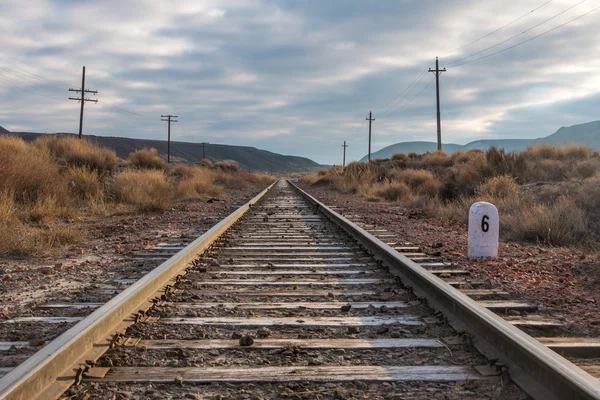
column 562, row 281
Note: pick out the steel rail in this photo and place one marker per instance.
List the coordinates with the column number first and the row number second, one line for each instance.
column 539, row 371
column 32, row 378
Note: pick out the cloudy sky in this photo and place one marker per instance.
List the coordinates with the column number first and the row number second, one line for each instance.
column 300, row 77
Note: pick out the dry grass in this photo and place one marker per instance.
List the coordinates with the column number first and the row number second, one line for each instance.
column 69, row 151
column 147, row 190
column 56, row 177
column 445, row 187
column 205, row 162
column 146, row 159
column 198, row 183
column 19, row 236
column 19, row 239
column 560, row 223
column 229, row 166
column 84, row 184
column 391, row 191
column 29, row 172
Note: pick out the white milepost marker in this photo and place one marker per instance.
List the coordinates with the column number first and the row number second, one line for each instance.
column 484, row 229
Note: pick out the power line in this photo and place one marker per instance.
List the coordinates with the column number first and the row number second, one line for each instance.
column 28, row 76
column 414, row 97
column 514, row 36
column 528, row 40
column 499, row 29
column 412, row 86
column 417, row 80
column 61, row 84
column 23, row 79
column 395, row 98
column 11, row 84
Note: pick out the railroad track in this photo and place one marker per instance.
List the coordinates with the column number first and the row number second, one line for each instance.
column 287, row 299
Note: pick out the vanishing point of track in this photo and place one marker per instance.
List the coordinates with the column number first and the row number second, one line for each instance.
column 287, row 299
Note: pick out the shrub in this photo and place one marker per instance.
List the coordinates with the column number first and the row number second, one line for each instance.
column 84, row 183
column 198, row 185
column 147, row 190
column 71, row 151
column 435, row 159
column 460, row 157
column 561, row 223
column 415, row 177
column 146, row 159
column 499, row 187
column 391, row 191
column 584, row 169
column 400, row 157
column 205, row 162
column 229, row 166
column 29, row 173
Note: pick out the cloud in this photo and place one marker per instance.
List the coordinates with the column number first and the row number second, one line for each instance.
column 296, row 77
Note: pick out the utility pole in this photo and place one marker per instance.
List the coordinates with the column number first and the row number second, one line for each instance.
column 204, row 149
column 370, row 119
column 344, row 146
column 437, row 71
column 169, row 119
column 82, row 99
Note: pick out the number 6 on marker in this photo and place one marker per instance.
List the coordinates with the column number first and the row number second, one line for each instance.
column 485, row 225
column 483, row 230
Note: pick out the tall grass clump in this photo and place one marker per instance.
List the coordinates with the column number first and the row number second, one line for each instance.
column 71, row 151
column 561, row 223
column 147, row 190
column 228, row 166
column 29, row 173
column 146, row 159
column 198, row 183
column 391, row 191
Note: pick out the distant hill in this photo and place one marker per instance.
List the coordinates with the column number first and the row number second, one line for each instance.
column 587, row 134
column 249, row 158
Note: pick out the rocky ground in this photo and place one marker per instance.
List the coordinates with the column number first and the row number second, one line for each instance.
column 563, row 281
column 96, row 269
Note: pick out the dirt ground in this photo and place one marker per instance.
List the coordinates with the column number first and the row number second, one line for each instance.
column 90, row 271
column 563, row 281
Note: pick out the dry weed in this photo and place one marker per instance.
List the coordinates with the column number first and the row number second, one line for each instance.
column 227, row 166
column 199, row 184
column 146, row 159
column 147, row 190
column 84, row 184
column 69, row 150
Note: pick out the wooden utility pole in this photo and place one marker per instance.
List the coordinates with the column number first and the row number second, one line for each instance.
column 370, row 119
column 82, row 99
column 344, row 146
column 437, row 71
column 169, row 119
column 204, row 149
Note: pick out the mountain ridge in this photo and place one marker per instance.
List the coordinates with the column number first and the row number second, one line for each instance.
column 587, row 134
column 249, row 158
